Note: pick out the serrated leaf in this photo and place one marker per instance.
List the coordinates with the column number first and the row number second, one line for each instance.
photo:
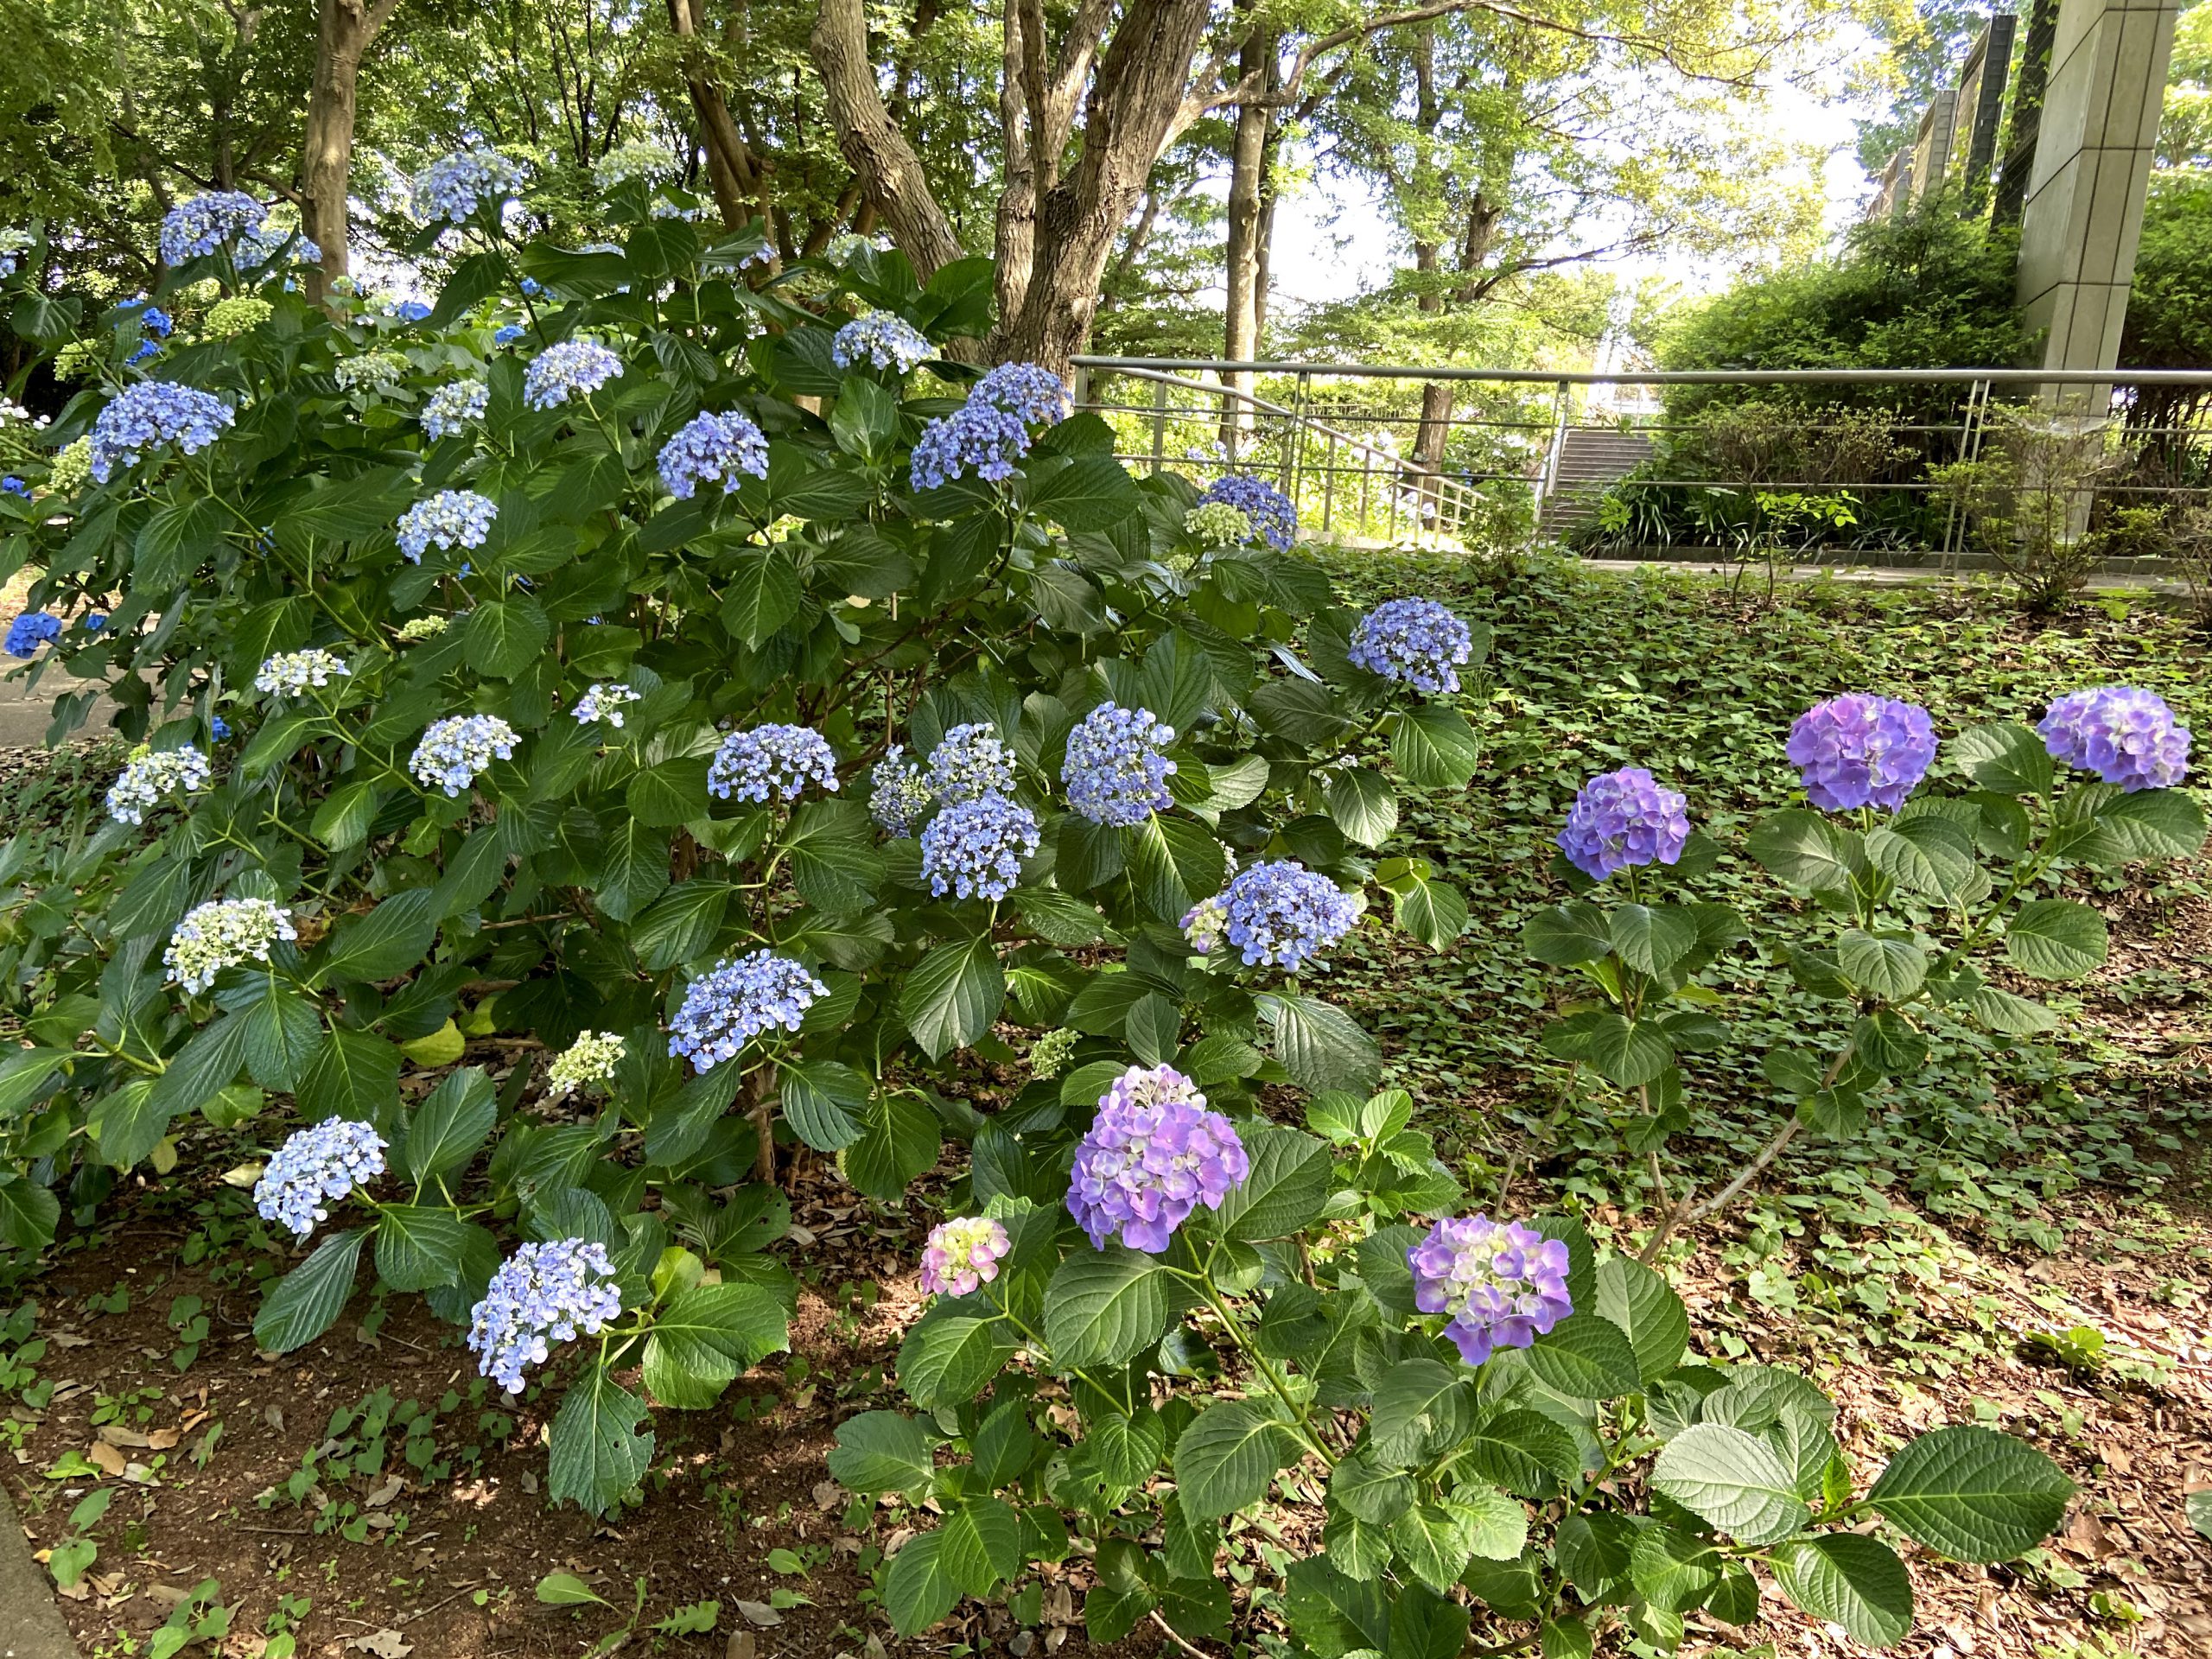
column 1319, row 1045
column 1645, row 1305
column 1848, row 1580
column 1972, row 1494
column 1104, row 1306
column 1227, row 1456
column 594, row 1452
column 1731, row 1479
column 944, row 1361
column 418, row 1247
column 307, row 1301
column 1434, row 747
column 952, row 996
column 2004, row 758
column 880, row 1451
column 2057, row 938
column 1585, row 1356
column 1287, row 1185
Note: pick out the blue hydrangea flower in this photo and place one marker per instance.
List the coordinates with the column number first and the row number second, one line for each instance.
column 881, row 339
column 30, row 631
column 1115, row 769
column 219, row 727
column 261, row 247
column 989, row 432
column 1416, row 641
column 1280, row 911
column 94, row 621
column 530, row 287
column 455, row 751
column 146, row 348
column 1269, row 508
column 314, row 1169
column 506, row 333
column 157, row 322
column 1621, row 819
column 148, row 779
column 194, row 229
column 454, row 188
column 1859, row 750
column 900, row 795
column 223, row 933
column 290, row 672
column 448, row 519
column 735, row 1000
column 971, row 762
column 544, row 1294
column 778, row 761
column 710, row 446
column 1036, row 394
column 452, row 408
column 2124, row 734
column 411, row 311
column 569, row 368
column 13, row 486
column 975, row 849
column 151, row 413
column 1504, row 1284
column 13, row 245
column 604, row 702
column 1152, row 1156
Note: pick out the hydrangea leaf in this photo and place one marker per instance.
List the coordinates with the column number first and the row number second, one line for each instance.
column 1972, row 1494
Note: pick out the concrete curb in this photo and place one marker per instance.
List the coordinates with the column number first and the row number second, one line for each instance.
column 30, row 1624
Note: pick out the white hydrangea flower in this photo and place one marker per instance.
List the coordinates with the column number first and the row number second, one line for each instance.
column 604, row 702
column 290, row 672
column 586, row 1063
column 222, row 934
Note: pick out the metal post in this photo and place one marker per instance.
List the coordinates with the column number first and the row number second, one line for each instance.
column 1159, row 425
column 1293, row 460
column 1329, row 486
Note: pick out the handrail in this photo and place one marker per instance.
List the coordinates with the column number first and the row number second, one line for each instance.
column 2010, row 377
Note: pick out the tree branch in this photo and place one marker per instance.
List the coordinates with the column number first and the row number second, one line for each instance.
column 890, row 173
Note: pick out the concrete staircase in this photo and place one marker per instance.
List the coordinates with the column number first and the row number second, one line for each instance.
column 1590, row 458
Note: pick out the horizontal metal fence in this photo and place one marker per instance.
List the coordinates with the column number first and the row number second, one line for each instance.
column 1841, row 465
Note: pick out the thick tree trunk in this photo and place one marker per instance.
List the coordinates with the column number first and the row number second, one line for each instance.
column 343, row 33
column 889, row 171
column 730, row 174
column 1250, row 150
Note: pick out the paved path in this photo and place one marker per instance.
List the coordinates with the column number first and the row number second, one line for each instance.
column 25, row 712
column 30, row 1624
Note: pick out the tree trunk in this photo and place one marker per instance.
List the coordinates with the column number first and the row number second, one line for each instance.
column 729, row 174
column 1250, row 152
column 889, row 171
column 346, row 30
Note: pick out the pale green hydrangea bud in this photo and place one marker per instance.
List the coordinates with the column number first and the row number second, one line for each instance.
column 239, row 315
column 1218, row 525
column 588, row 1063
column 371, row 369
column 72, row 468
column 422, row 627
column 1050, row 1054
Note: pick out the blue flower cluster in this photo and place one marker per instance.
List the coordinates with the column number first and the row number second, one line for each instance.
column 975, row 849
column 771, row 761
column 194, row 229
column 2124, row 734
column 735, row 1000
column 452, row 189
column 148, row 778
column 157, row 322
column 448, row 519
column 411, row 311
column 1034, row 393
column 1860, row 750
column 314, row 1168
column 453, row 751
column 604, row 702
column 1115, row 769
column 13, row 245
column 568, row 369
column 1269, row 508
column 1416, row 641
column 713, row 447
column 990, row 432
column 971, row 762
column 30, row 631
column 259, row 247
column 452, row 409
column 880, row 338
column 900, row 795
column 506, row 333
column 10, row 484
column 1276, row 911
column 152, row 413
column 1622, row 819
column 542, row 1293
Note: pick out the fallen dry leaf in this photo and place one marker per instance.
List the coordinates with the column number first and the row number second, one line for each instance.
column 760, row 1613
column 384, row 1644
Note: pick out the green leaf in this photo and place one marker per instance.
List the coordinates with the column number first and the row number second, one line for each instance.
column 307, row 1301
column 29, row 1212
column 679, row 925
column 1227, row 1456
column 1362, row 803
column 1432, row 912
column 946, row 1360
column 283, row 1034
column 1651, row 940
column 1284, row 1191
column 1585, row 1356
column 1419, row 1404
column 594, row 1452
column 762, row 594
column 1435, row 748
column 1175, row 862
column 1887, row 967
column 981, row 1545
column 1319, row 1045
column 1848, row 1580
column 826, row 1101
column 449, row 1127
column 1368, row 1491
column 1567, row 935
column 833, row 862
column 2004, row 758
column 1972, row 1494
column 918, row 1590
column 706, row 1337
column 880, row 1451
column 952, row 996
column 566, row 1589
column 505, row 636
column 1803, row 850
column 1644, row 1305
column 668, row 793
column 2057, row 938
column 1929, row 854
column 2150, row 823
column 1091, row 493
column 1672, row 1570
column 355, row 1074
column 1104, row 1306
column 418, row 1247
column 387, row 941
column 1731, row 1479
column 1129, row 1449
column 1524, row 1452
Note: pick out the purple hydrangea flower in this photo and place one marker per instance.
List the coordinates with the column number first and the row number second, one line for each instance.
column 30, row 631
column 448, row 519
column 1114, row 771
column 975, row 847
column 1153, row 1155
column 192, row 229
column 1860, row 750
column 963, row 1256
column 1504, row 1285
column 1035, row 393
column 452, row 189
column 1278, row 912
column 1269, row 508
column 2124, row 734
column 542, row 1293
column 453, row 752
column 568, row 369
column 316, row 1168
column 151, row 413
column 989, row 432
column 713, row 447
column 882, row 339
column 771, row 761
column 1623, row 818
column 1413, row 641
column 900, row 795
column 735, row 1000
column 971, row 762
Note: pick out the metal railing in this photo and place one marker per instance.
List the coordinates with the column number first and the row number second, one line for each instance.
column 1844, row 464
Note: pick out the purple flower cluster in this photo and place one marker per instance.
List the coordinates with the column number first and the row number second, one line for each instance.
column 1861, row 750
column 736, row 999
column 989, row 432
column 1270, row 510
column 963, row 1256
column 192, row 229
column 971, row 762
column 2124, row 734
column 713, row 447
column 1623, row 818
column 455, row 751
column 1416, row 641
column 1153, row 1155
column 30, row 631
column 975, row 847
column 881, row 339
column 1504, row 1285
column 1036, row 394
column 567, row 368
column 316, row 1168
column 1277, row 912
column 771, row 761
column 151, row 413
column 899, row 794
column 1114, row 771
column 448, row 519
column 542, row 1293
column 452, row 189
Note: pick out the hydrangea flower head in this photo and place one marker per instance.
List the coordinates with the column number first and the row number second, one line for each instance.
column 963, row 1256
column 372, row 371
column 713, row 448
column 774, row 762
column 1859, row 750
column 1034, row 393
column 30, row 631
column 194, row 229
column 262, row 247
column 411, row 311
column 1504, row 1285
column 1416, row 641
column 218, row 727
column 975, row 849
column 1218, row 525
column 881, row 339
column 1621, row 819
column 588, row 1063
column 2124, row 734
column 147, row 778
column 454, row 408
column 978, row 438
column 569, row 368
column 241, row 314
column 971, row 762
column 1268, row 509
column 1153, row 1155
column 735, row 1000
column 448, row 519
column 455, row 751
column 1049, row 1055
column 604, row 702
column 72, row 467
column 13, row 245
column 314, row 1168
column 626, row 162
column 222, row 934
column 507, row 332
column 158, row 324
column 290, row 672
column 10, row 484
column 541, row 1294
column 1116, row 770
column 423, row 627
column 898, row 795
column 148, row 414
column 1280, row 911
column 1205, row 924
column 452, row 190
